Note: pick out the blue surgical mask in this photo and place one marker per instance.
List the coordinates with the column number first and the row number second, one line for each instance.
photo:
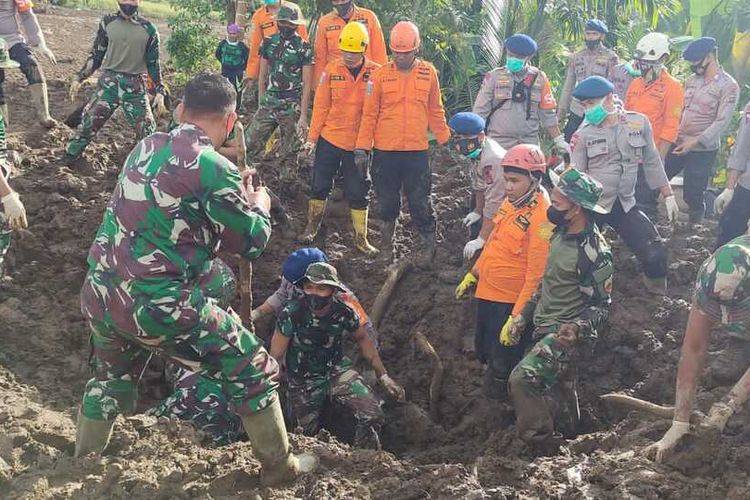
column 515, row 64
column 596, row 114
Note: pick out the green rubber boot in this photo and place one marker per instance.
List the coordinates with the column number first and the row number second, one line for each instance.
column 92, row 436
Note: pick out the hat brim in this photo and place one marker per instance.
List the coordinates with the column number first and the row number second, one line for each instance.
column 555, row 178
column 297, row 22
column 334, row 284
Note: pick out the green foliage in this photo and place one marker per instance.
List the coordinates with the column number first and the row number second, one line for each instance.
column 192, row 43
column 150, row 8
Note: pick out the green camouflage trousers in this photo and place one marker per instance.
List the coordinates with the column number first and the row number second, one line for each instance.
column 217, row 346
column 4, row 241
column 543, row 390
column 272, row 113
column 112, row 91
column 342, row 386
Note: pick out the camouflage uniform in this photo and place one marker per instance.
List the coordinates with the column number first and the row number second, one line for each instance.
column 233, row 58
column 280, row 104
column 5, row 230
column 317, row 369
column 151, row 269
column 118, row 86
column 547, row 377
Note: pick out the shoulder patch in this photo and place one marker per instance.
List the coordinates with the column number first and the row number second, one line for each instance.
column 523, row 222
column 545, row 230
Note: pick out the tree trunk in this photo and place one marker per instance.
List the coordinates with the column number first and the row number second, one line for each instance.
column 231, row 11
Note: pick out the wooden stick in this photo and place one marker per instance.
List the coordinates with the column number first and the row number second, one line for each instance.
column 379, row 307
column 246, row 267
column 436, row 381
column 639, row 404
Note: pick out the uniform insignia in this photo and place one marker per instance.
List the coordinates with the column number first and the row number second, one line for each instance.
column 337, row 78
column 334, row 27
column 545, row 230
column 267, row 24
column 594, row 142
column 522, row 222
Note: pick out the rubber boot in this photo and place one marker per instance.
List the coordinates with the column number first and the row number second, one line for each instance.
column 359, row 221
column 316, row 209
column 41, row 103
column 6, row 114
column 271, row 447
column 386, row 240
column 655, row 286
column 495, row 387
column 92, row 436
column 427, row 256
column 565, row 408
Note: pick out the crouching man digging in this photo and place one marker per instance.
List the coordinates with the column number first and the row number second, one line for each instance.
column 176, row 203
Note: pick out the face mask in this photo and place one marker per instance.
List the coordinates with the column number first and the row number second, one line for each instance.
column 127, row 9
column 287, row 31
column 316, row 302
column 343, row 8
column 592, row 44
column 514, row 64
column 469, row 147
column 631, row 70
column 404, row 63
column 557, row 217
column 699, row 68
column 596, row 114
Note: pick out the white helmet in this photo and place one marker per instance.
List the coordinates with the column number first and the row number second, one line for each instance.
column 652, row 46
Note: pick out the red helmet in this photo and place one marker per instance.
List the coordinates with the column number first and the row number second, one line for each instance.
column 525, row 157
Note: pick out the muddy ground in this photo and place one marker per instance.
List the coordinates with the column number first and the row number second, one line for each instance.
column 467, row 450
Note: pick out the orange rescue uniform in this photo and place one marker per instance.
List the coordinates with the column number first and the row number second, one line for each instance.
column 661, row 102
column 327, row 38
column 400, row 107
column 262, row 26
column 339, row 99
column 512, row 262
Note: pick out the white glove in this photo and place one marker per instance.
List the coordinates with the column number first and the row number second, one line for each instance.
column 721, row 201
column 159, row 108
column 75, row 86
column 560, row 144
column 666, row 444
column 308, row 147
column 472, row 218
column 472, row 246
column 255, row 314
column 42, row 47
column 392, row 387
column 14, row 211
column 673, row 209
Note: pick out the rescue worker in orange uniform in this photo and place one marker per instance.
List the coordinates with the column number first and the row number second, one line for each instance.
column 403, row 101
column 329, row 29
column 262, row 26
column 659, row 96
column 337, row 112
column 511, row 265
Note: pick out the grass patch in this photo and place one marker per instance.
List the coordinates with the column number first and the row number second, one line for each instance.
column 149, row 8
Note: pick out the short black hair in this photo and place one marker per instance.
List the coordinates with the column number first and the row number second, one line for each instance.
column 209, row 93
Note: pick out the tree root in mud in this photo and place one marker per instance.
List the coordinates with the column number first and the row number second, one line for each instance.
column 379, row 307
column 436, row 381
column 646, row 406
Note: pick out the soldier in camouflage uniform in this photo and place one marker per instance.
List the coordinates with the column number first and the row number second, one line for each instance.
column 12, row 212
column 176, row 203
column 233, row 54
column 721, row 302
column 287, row 62
column 308, row 337
column 566, row 313
column 126, row 47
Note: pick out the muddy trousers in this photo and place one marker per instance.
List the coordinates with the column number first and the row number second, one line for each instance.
column 734, row 220
column 112, row 91
column 273, row 113
column 408, row 170
column 640, row 235
column 5, row 233
column 330, row 161
column 697, row 168
column 543, row 391
column 491, row 316
column 646, row 199
column 342, row 386
column 237, row 78
column 198, row 335
column 21, row 53
column 572, row 125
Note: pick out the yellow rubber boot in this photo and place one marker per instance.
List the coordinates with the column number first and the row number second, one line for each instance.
column 271, row 447
column 359, row 221
column 316, row 209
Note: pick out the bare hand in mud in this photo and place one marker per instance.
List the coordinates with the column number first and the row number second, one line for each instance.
column 393, row 388
column 662, row 449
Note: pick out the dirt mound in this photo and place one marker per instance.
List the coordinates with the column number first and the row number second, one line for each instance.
column 464, row 448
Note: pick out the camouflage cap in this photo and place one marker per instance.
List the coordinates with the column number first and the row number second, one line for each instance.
column 578, row 187
column 722, row 288
column 288, row 12
column 323, row 273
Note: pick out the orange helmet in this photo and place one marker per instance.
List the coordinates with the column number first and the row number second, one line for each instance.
column 525, row 157
column 404, row 37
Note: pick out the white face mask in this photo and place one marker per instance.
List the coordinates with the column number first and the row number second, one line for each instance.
column 232, row 43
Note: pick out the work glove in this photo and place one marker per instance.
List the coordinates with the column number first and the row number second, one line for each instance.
column 721, row 201
column 718, row 416
column 673, row 209
column 466, row 283
column 511, row 332
column 392, row 387
column 301, row 128
column 362, row 161
column 472, row 246
column 42, row 47
column 659, row 450
column 14, row 211
column 308, row 148
column 472, row 218
column 75, row 86
column 159, row 108
column 561, row 145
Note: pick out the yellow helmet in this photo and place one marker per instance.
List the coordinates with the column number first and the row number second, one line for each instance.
column 354, row 37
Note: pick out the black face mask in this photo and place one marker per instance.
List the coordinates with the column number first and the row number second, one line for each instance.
column 343, row 9
column 467, row 146
column 557, row 217
column 592, row 44
column 287, row 31
column 699, row 68
column 128, row 9
column 316, row 302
